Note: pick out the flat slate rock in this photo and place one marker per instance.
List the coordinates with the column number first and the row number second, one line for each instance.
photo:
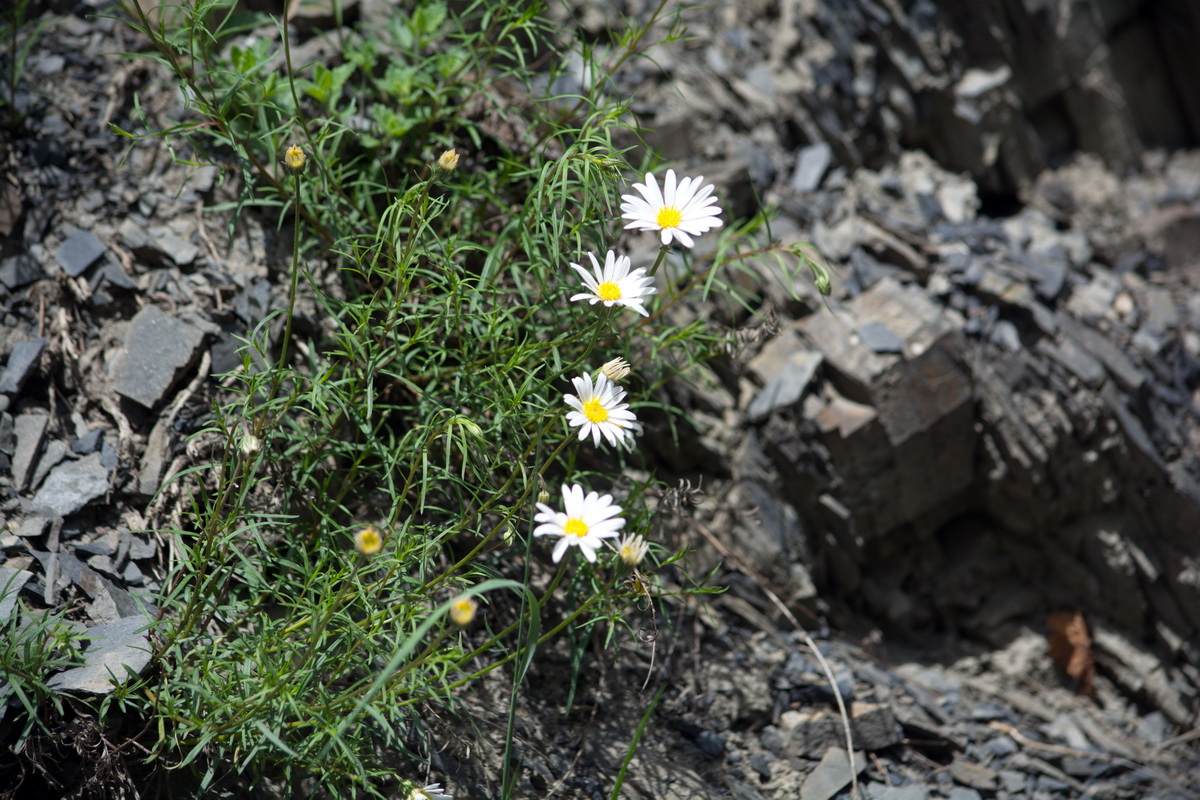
column 21, row 361
column 114, row 651
column 913, row 791
column 158, row 350
column 880, row 338
column 831, row 775
column 19, row 270
column 811, row 164
column 80, row 250
column 29, row 430
column 787, row 387
column 73, row 484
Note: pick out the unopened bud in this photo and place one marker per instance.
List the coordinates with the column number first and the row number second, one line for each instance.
column 368, row 541
column 294, row 158
column 250, row 444
column 633, row 549
column 448, row 160
column 462, row 611
column 615, row 370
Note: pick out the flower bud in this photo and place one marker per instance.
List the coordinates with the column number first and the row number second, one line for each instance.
column 448, row 160
column 462, row 611
column 294, row 158
column 633, row 549
column 616, row 370
column 250, row 444
column 368, row 541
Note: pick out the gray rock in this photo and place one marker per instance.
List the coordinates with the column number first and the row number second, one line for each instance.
column 158, row 350
column 897, row 429
column 178, row 250
column 712, row 744
column 1118, row 365
column 133, row 575
column 103, row 564
column 109, row 602
column 831, row 775
column 19, row 270
column 787, row 386
column 113, row 274
column 1161, row 314
column 139, row 548
column 879, row 338
column 88, row 443
column 79, row 251
column 963, row 793
column 811, row 164
column 913, row 791
column 52, row 456
column 1049, row 267
column 11, row 581
column 1075, row 359
column 29, row 430
column 97, row 547
column 21, row 362
column 73, row 485
column 115, row 650
column 1005, row 334
column 813, row 731
column 973, row 775
column 32, row 527
column 155, row 458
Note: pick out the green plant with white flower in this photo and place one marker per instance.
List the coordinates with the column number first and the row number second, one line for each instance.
column 369, row 540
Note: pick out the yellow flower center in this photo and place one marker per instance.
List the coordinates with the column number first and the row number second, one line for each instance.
column 576, row 527
column 609, row 291
column 595, row 411
column 669, row 217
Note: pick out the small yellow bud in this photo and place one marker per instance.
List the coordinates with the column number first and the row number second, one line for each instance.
column 633, row 549
column 294, row 158
column 463, row 611
column 616, row 370
column 368, row 541
column 543, row 497
column 448, row 160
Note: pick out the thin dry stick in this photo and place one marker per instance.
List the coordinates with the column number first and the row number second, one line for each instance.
column 764, row 585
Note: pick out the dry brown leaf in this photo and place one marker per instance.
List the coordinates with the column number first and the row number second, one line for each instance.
column 1071, row 649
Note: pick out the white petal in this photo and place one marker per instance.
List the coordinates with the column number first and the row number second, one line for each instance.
column 588, row 279
column 668, row 193
column 560, row 548
column 685, row 192
column 649, row 190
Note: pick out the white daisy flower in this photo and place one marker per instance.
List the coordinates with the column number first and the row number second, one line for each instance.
column 598, row 409
column 432, row 791
column 615, row 284
column 586, row 522
column 679, row 211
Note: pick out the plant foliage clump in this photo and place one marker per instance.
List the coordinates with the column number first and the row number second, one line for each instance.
column 361, row 545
